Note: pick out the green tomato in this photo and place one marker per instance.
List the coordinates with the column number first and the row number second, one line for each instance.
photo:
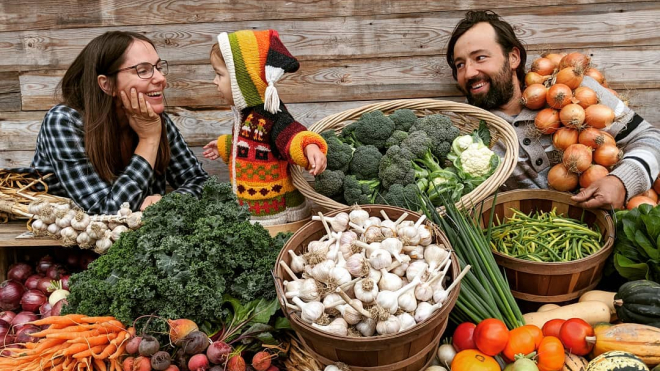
column 524, row 364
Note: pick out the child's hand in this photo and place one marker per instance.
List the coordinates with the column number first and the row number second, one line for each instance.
column 211, row 150
column 316, row 159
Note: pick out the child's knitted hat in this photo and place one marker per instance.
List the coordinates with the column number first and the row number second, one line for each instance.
column 256, row 60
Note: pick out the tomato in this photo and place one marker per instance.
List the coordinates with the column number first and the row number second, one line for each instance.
column 521, row 341
column 464, row 336
column 491, row 336
column 550, row 355
column 551, row 328
column 536, row 333
column 474, row 360
column 573, row 334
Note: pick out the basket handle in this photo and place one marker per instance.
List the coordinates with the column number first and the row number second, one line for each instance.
column 279, row 284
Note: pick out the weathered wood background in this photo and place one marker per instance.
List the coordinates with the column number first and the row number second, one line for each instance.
column 352, row 52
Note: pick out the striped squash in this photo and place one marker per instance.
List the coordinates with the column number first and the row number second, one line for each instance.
column 616, row 360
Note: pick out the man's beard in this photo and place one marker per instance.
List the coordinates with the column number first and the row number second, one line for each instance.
column 499, row 93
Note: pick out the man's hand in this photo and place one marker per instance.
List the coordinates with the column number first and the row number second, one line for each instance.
column 605, row 193
column 150, row 200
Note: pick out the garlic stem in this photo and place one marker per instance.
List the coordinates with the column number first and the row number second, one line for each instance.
column 384, row 214
column 288, row 270
column 356, row 227
column 348, row 301
column 458, row 279
column 401, row 218
column 420, row 221
column 325, row 224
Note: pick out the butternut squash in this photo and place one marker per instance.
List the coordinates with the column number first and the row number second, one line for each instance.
column 591, row 311
column 606, row 297
column 640, row 340
column 547, row 307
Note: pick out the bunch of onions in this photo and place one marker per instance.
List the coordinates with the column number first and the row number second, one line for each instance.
column 607, row 155
column 599, row 116
column 561, row 179
column 543, row 66
column 559, row 95
column 534, row 96
column 595, row 138
column 570, row 76
column 585, row 96
column 575, row 60
column 565, row 137
column 535, row 78
column 592, row 174
column 547, row 121
column 577, row 158
column 572, row 115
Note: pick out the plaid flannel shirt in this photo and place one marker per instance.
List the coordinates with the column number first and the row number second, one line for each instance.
column 60, row 150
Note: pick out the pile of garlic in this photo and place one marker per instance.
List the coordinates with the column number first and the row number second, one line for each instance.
column 75, row 227
column 369, row 276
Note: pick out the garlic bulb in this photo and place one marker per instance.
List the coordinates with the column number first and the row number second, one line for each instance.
column 350, row 314
column 380, row 259
column 80, row 221
column 47, row 214
column 103, row 244
column 425, row 310
column 367, row 327
column 65, row 220
column 339, row 222
column 373, row 234
column 308, row 291
column 440, row 295
column 394, row 246
column 407, row 321
column 400, row 270
column 357, row 265
column 389, row 281
column 374, row 220
column 339, row 276
column 332, row 300
column 358, row 216
column 84, row 241
column 390, row 326
column 96, row 230
column 35, row 207
column 337, row 327
column 321, row 271
column 39, row 228
column 417, row 252
column 297, row 262
column 124, row 209
column 415, row 268
column 366, row 290
column 374, row 275
column 310, row 311
column 425, row 235
column 54, row 229
column 69, row 233
column 134, row 221
column 334, row 249
column 408, row 301
column 116, row 233
column 435, row 255
column 390, row 299
column 292, row 285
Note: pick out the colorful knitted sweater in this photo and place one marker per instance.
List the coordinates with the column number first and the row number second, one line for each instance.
column 264, row 147
column 266, row 139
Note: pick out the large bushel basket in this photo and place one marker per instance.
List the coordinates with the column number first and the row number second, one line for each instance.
column 464, row 116
column 552, row 282
column 410, row 350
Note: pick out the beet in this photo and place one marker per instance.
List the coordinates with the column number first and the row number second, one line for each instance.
column 160, row 361
column 195, row 342
column 148, row 346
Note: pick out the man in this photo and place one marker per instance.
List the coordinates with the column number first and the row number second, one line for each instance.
column 488, row 63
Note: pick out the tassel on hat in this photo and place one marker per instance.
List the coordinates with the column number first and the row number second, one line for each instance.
column 258, row 61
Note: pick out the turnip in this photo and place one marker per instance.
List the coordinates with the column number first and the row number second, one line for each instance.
column 198, row 362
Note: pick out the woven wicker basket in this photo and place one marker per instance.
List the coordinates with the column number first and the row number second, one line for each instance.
column 464, row 116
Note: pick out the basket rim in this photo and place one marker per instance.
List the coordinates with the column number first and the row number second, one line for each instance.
column 508, row 138
column 516, row 195
column 294, row 318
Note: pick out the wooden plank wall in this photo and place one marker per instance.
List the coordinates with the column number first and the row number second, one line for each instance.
column 352, row 52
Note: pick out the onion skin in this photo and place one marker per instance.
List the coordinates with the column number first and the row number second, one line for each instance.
column 534, row 78
column 561, row 179
column 592, row 174
column 32, row 300
column 570, row 76
column 547, row 121
column 577, row 158
column 595, row 74
column 607, row 155
column 650, row 194
column 572, row 115
column 595, row 138
column 599, row 116
column 575, row 60
column 534, row 96
column 11, row 293
column 19, row 272
column 543, row 66
column 639, row 200
column 558, row 96
column 564, row 137
column 585, row 96
column 555, row 58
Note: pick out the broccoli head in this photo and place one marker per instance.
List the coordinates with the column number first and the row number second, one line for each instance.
column 348, row 134
column 396, row 167
column 365, row 162
column 360, row 192
column 329, row 183
column 407, row 197
column 373, row 128
column 441, row 131
column 403, row 119
column 396, row 138
column 339, row 153
column 419, row 143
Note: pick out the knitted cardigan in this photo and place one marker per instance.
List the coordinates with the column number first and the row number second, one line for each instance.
column 639, row 140
column 264, row 145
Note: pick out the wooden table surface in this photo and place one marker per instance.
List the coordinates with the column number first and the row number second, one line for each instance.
column 9, row 232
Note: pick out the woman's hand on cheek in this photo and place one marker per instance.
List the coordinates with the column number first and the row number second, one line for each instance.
column 316, row 158
column 149, row 200
column 141, row 117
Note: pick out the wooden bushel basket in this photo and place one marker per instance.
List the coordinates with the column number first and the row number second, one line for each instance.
column 551, row 282
column 411, row 350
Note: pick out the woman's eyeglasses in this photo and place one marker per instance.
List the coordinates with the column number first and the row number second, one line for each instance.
column 145, row 70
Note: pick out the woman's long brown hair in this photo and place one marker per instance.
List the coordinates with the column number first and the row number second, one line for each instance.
column 80, row 91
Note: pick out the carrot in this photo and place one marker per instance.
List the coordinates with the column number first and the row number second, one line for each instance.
column 74, row 349
column 69, row 319
column 97, row 319
column 47, row 344
column 88, row 352
column 73, row 328
column 100, row 365
column 122, row 347
column 76, row 335
column 95, row 340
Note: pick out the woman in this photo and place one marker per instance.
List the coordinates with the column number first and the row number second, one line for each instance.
column 110, row 140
